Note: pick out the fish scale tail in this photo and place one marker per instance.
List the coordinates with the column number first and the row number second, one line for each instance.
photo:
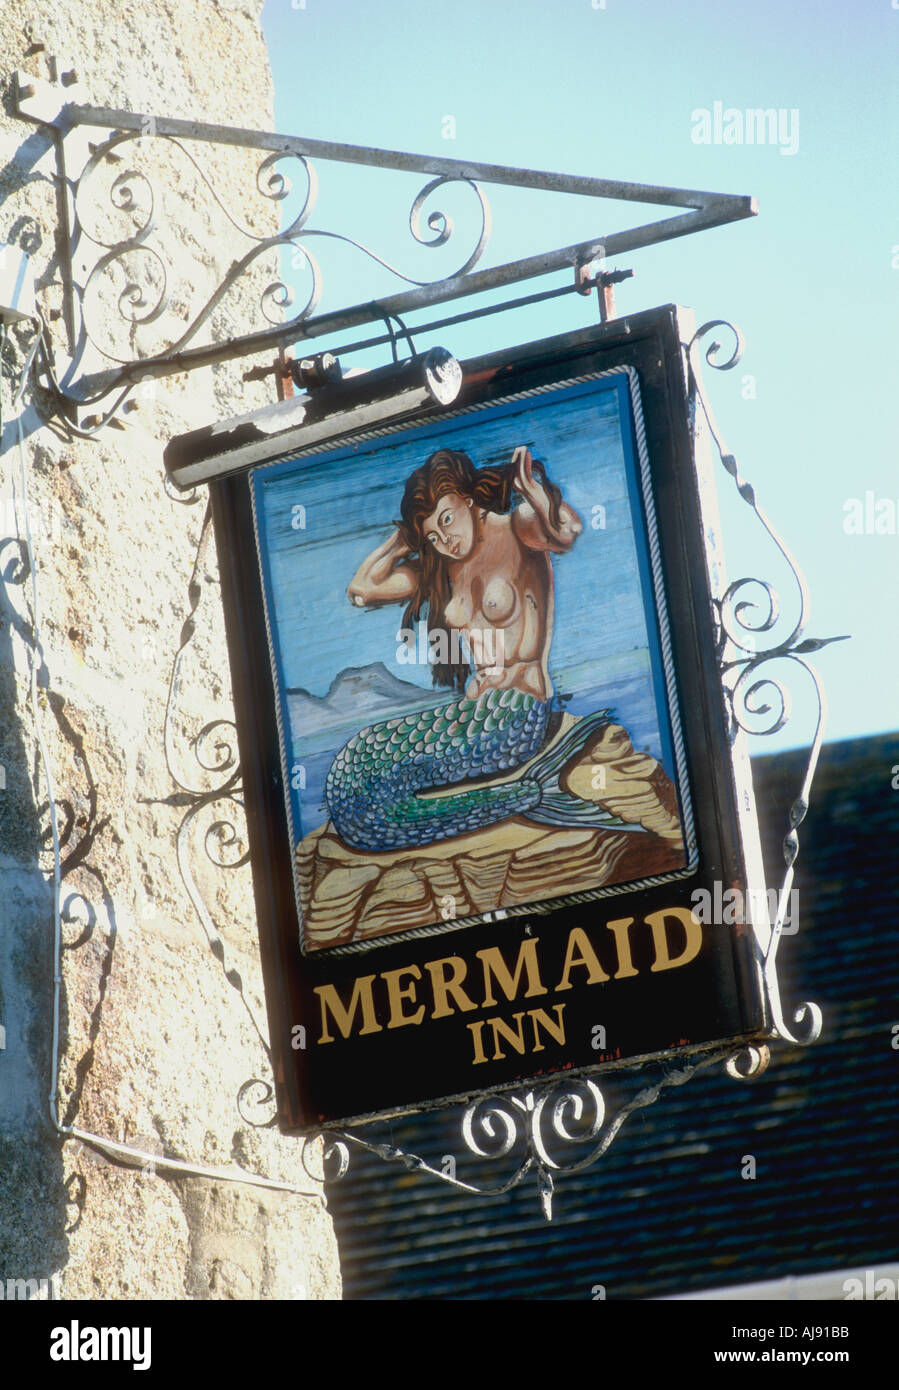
column 373, row 785
column 558, row 807
column 433, row 819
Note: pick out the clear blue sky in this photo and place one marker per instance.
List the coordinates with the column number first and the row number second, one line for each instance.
column 813, row 281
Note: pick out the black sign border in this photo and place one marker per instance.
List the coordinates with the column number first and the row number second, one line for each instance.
column 652, row 343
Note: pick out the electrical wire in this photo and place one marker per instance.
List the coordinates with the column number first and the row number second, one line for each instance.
column 64, row 397
column 112, row 1149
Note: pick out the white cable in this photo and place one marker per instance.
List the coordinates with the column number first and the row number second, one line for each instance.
column 177, row 1165
column 110, row 1147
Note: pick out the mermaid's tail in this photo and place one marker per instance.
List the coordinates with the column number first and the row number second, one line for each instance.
column 558, row 807
column 377, row 786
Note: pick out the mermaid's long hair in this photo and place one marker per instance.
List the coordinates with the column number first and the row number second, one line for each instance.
column 489, row 488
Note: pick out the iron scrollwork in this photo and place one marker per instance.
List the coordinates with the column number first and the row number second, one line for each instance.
column 119, row 230
column 558, row 1128
column 218, row 786
column 757, row 702
column 135, row 272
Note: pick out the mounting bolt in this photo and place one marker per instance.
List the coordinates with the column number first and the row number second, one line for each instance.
column 26, row 92
column 69, row 77
column 35, row 42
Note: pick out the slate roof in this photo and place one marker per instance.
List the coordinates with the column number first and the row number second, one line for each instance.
column 667, row 1211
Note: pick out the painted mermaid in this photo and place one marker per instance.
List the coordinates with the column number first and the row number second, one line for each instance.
column 479, row 570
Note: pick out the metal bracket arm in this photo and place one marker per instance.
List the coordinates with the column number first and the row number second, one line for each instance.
column 102, row 364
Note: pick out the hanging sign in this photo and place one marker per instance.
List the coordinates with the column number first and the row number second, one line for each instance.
column 494, row 810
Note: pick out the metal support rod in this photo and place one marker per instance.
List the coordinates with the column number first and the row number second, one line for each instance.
column 110, row 119
column 477, row 282
column 59, row 106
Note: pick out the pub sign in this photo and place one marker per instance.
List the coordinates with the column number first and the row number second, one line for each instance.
column 485, row 752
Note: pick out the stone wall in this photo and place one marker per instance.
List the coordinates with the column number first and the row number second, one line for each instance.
column 157, row 1032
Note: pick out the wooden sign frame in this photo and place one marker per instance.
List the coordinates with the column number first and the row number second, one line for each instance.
column 562, row 983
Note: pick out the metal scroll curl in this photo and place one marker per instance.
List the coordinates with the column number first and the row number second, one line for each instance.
column 558, row 1128
column 124, row 217
column 334, row 1156
column 757, row 700
column 278, row 296
column 123, row 200
column 749, row 1063
column 211, row 795
column 256, row 1104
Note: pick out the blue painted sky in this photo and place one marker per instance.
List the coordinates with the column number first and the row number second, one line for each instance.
column 613, row 90
column 601, row 651
column 350, row 504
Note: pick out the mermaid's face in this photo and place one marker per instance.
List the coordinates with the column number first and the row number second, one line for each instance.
column 450, row 528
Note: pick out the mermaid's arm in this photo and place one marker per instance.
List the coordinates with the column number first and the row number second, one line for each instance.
column 385, row 576
column 532, row 520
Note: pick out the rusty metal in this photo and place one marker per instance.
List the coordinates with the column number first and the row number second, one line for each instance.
column 603, row 282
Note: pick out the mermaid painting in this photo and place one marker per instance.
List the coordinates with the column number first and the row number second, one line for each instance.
column 471, row 556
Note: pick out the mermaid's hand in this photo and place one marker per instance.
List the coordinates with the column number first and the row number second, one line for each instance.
column 397, row 544
column 523, row 478
column 385, row 576
column 533, row 519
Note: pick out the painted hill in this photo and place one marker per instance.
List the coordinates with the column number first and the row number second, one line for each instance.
column 359, row 694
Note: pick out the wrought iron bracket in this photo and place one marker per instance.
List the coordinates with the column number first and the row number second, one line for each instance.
column 560, row 1126
column 123, row 259
column 744, row 614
